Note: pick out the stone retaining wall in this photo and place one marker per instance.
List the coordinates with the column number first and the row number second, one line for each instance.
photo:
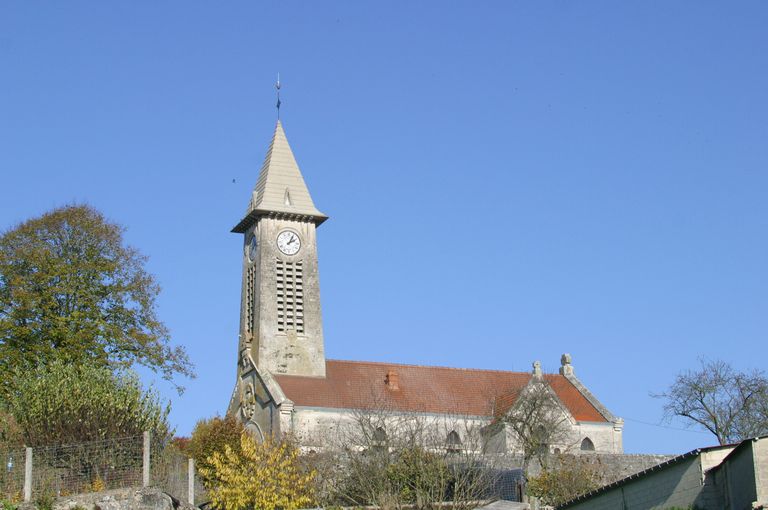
column 149, row 498
column 615, row 465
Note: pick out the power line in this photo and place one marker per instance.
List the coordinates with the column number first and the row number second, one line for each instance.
column 667, row 426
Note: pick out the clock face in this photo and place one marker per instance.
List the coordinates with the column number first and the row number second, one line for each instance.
column 252, row 249
column 288, row 242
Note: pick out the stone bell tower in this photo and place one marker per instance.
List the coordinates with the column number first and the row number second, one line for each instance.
column 280, row 320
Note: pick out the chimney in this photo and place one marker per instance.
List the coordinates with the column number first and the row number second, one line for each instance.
column 392, row 380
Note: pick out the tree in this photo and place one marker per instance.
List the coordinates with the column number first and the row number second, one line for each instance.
column 570, row 477
column 536, row 420
column 390, row 459
column 262, row 476
column 70, row 288
column 62, row 403
column 211, row 436
column 730, row 404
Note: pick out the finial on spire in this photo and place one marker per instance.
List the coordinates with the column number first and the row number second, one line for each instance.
column 277, row 86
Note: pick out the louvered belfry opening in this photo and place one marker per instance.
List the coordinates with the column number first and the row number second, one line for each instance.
column 290, row 296
column 250, row 296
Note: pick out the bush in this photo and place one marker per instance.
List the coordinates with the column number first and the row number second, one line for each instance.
column 392, row 478
column 570, row 478
column 211, row 436
column 45, row 501
column 62, row 403
column 7, row 505
column 419, row 477
column 181, row 443
column 263, row 476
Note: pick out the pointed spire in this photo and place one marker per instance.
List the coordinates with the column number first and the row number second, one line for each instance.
column 280, row 187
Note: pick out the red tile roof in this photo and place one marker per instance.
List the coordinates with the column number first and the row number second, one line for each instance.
column 459, row 391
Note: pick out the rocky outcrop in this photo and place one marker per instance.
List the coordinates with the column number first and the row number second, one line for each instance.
column 148, row 498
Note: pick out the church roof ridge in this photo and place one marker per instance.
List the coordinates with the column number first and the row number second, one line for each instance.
column 440, row 367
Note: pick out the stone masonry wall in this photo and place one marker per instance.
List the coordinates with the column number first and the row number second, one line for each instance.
column 761, row 469
column 614, row 466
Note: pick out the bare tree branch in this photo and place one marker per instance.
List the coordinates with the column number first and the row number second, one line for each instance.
column 730, row 404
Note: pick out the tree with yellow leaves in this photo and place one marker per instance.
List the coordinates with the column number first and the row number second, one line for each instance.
column 261, row 476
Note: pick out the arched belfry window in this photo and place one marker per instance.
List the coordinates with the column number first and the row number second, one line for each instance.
column 587, row 445
column 453, row 441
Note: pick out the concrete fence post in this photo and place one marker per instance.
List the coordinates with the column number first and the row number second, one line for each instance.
column 28, row 476
column 146, row 460
column 191, row 482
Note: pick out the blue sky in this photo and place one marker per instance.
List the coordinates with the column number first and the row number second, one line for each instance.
column 506, row 181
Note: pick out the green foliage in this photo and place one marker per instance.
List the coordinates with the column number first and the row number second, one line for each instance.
column 64, row 403
column 418, row 476
column 7, row 505
column 211, row 436
column 45, row 501
column 70, row 289
column 10, row 433
column 568, row 479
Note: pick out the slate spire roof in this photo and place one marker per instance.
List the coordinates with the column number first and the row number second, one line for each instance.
column 280, row 188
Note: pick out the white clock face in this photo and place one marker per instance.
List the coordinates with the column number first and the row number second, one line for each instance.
column 288, row 242
column 252, row 249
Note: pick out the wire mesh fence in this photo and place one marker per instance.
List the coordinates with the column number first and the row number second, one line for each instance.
column 12, row 474
column 505, row 484
column 87, row 467
column 117, row 463
column 171, row 471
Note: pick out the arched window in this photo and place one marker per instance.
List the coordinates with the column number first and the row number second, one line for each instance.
column 254, row 430
column 453, row 441
column 587, row 445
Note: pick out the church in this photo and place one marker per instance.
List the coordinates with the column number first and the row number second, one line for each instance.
column 285, row 384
